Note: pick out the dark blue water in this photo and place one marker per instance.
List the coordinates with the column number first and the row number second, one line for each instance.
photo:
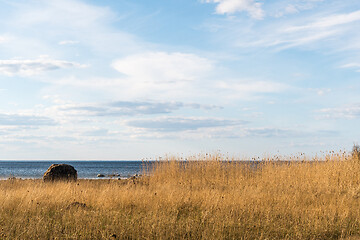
column 85, row 169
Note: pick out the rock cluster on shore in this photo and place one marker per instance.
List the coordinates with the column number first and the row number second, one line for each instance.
column 100, row 175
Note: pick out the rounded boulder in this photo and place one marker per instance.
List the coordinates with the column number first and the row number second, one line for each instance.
column 60, row 172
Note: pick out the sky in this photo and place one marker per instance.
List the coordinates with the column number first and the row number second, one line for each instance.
column 139, row 79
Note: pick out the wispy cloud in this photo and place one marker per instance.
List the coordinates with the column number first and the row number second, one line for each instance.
column 68, row 42
column 353, row 65
column 287, row 37
column 241, row 132
column 252, row 87
column 252, row 7
column 308, row 30
column 33, row 67
column 258, row 9
column 327, row 22
column 273, row 132
column 58, row 12
column 170, row 76
column 176, row 124
column 25, row 120
column 287, row 7
column 345, row 112
column 65, row 22
column 213, row 128
column 269, row 132
column 3, row 39
column 97, row 132
column 127, row 108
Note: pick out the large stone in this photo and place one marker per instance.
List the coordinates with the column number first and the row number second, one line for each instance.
column 62, row 172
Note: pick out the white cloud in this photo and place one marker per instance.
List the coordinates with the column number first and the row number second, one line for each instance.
column 246, row 89
column 320, row 91
column 24, row 120
column 62, row 12
column 170, row 124
column 327, row 22
column 38, row 24
column 6, row 38
column 334, row 32
column 3, row 39
column 232, row 6
column 291, row 9
column 353, row 65
column 345, row 112
column 254, row 8
column 163, row 67
column 253, row 86
column 170, row 76
column 128, row 108
column 68, row 42
column 96, row 132
column 287, row 7
column 332, row 26
column 288, row 37
column 156, row 74
column 183, row 128
column 206, row 128
column 269, row 132
column 32, row 67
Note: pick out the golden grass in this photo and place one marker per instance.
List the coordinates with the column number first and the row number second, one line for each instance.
column 202, row 200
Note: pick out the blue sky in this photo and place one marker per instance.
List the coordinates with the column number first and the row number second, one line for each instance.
column 130, row 79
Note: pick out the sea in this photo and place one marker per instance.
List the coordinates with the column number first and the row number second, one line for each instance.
column 91, row 169
column 85, row 169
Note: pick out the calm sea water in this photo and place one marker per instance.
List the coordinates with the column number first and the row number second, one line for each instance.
column 85, row 169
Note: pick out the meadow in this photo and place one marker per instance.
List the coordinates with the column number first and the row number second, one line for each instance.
column 206, row 199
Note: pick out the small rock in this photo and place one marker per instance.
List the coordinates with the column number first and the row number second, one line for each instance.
column 100, row 175
column 114, row 175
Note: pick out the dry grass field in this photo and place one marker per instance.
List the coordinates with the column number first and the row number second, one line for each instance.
column 210, row 199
